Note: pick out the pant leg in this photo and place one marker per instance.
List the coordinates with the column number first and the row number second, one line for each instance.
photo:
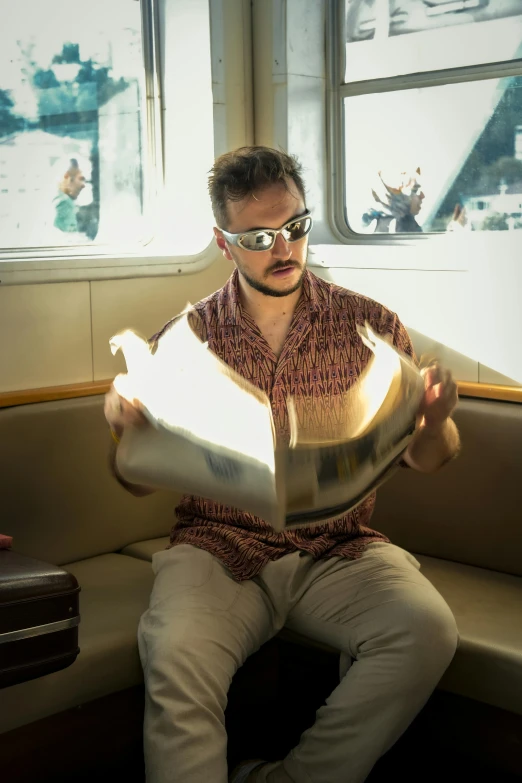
column 401, row 635
column 200, row 627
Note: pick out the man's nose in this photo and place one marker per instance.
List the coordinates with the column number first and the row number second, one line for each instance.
column 281, row 247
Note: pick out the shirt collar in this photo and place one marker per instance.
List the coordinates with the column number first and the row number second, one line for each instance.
column 310, row 300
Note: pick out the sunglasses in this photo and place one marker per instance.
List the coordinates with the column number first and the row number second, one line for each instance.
column 264, row 238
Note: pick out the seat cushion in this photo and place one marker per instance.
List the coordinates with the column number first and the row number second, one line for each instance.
column 115, row 592
column 486, row 604
column 469, row 512
column 145, row 549
column 487, row 607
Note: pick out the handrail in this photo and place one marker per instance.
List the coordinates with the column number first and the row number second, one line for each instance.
column 50, row 393
column 490, row 391
column 485, row 391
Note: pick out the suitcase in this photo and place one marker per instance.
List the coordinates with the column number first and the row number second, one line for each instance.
column 39, row 618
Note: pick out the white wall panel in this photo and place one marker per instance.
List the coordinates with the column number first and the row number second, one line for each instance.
column 144, row 305
column 45, row 335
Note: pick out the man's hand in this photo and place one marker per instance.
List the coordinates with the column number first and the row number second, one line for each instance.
column 120, row 413
column 436, row 440
column 440, row 396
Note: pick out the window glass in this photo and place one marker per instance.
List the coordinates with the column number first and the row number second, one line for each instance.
column 72, row 140
column 410, row 167
column 391, row 37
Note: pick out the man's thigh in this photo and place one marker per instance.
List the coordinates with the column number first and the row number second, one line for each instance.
column 348, row 603
column 196, row 607
column 186, row 575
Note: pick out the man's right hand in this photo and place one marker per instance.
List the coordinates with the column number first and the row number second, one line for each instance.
column 120, row 413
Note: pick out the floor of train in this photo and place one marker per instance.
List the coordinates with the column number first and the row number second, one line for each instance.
column 429, row 751
column 407, row 763
column 273, row 699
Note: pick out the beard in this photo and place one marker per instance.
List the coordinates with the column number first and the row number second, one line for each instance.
column 263, row 288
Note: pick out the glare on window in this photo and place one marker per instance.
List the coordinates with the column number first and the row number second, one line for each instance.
column 72, row 141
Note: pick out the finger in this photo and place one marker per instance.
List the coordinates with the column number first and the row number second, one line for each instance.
column 433, row 375
column 451, row 394
column 447, row 386
column 133, row 414
column 111, row 407
column 118, row 406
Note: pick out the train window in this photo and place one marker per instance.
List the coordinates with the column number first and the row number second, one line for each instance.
column 427, row 116
column 390, row 37
column 74, row 146
column 95, row 140
column 460, row 177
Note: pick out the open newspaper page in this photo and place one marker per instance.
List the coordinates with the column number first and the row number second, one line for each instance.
column 212, row 431
column 331, row 473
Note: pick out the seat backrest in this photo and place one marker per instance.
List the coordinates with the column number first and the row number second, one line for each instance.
column 60, row 502
column 471, row 510
column 58, row 499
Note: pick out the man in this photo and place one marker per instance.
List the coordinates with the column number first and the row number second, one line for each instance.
column 72, row 184
column 229, row 582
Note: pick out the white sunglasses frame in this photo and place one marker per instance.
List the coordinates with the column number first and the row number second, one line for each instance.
column 235, row 239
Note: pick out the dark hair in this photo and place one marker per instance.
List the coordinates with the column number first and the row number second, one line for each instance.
column 73, row 168
column 237, row 174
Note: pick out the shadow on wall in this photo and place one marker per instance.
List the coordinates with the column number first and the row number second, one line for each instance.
column 463, row 367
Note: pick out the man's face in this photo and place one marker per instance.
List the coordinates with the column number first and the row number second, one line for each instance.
column 75, row 184
column 275, row 272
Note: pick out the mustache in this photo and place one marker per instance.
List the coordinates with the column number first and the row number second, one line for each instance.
column 282, row 265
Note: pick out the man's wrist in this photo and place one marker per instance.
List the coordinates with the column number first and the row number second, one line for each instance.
column 434, row 429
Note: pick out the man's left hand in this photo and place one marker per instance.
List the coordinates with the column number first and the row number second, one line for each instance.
column 440, row 396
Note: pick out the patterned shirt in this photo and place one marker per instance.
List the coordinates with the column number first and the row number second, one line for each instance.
column 322, row 356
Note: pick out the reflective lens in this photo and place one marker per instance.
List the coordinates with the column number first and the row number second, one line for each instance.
column 298, row 229
column 264, row 240
column 257, row 240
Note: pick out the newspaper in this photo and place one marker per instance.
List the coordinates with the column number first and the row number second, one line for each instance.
column 213, row 435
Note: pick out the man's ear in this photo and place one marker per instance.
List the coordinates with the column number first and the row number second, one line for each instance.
column 221, row 242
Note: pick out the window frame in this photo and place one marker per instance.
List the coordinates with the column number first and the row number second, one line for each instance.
column 154, row 256
column 338, row 90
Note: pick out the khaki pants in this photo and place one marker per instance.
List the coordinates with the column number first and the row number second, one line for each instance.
column 379, row 611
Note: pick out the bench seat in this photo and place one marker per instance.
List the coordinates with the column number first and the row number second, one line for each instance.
column 488, row 663
column 487, row 606
column 115, row 592
column 116, row 589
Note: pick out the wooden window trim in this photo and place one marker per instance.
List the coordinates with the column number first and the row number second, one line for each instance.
column 50, row 393
column 485, row 391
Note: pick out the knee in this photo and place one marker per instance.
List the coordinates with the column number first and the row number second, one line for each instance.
column 436, row 631
column 422, row 630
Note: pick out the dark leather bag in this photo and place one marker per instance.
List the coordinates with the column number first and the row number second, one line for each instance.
column 39, row 618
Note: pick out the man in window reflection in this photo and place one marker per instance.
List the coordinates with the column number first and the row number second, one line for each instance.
column 228, row 582
column 399, row 199
column 65, row 209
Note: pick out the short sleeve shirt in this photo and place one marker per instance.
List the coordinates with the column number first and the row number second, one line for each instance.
column 323, row 355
